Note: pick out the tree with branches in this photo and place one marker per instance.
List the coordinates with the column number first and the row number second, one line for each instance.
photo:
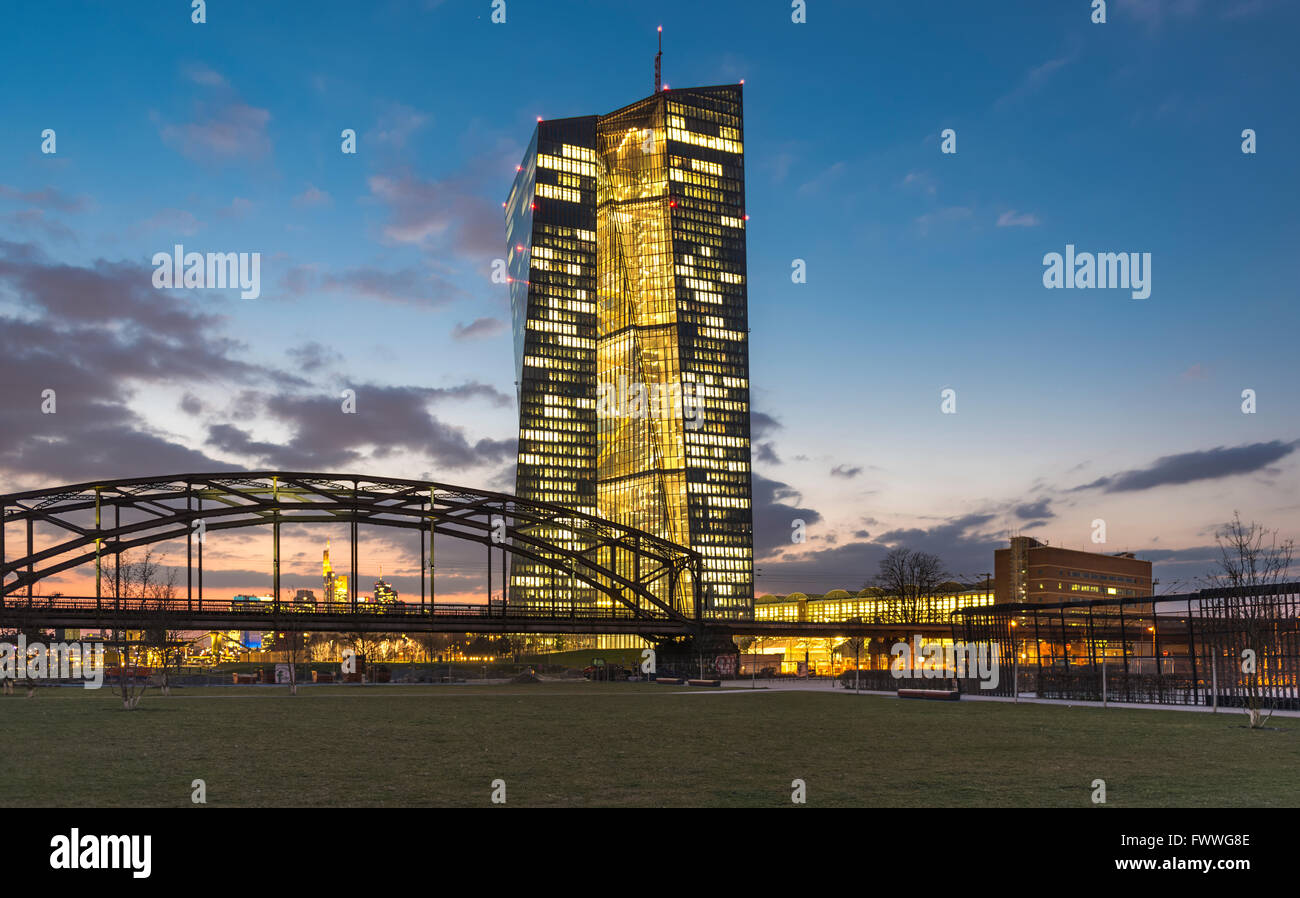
column 911, row 575
column 139, row 578
column 292, row 644
column 160, row 633
column 1250, row 607
column 365, row 647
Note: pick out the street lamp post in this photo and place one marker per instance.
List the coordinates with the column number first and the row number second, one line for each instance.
column 1015, row 664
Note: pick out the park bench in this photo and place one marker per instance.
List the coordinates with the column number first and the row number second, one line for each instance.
column 942, row 695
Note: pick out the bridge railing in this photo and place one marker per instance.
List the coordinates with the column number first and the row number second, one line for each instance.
column 108, row 607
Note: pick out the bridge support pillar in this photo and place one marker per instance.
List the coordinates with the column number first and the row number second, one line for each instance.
column 433, row 588
column 353, row 534
column 701, row 655
column 117, row 555
column 201, row 561
column 275, row 569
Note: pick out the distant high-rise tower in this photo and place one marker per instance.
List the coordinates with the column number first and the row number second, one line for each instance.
column 626, row 250
column 384, row 593
column 336, row 585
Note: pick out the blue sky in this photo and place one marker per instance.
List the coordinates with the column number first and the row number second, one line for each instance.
column 924, row 268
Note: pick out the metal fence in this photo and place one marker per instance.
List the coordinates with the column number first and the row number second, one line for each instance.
column 1215, row 646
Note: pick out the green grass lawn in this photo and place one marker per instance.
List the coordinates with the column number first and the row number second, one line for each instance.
column 613, row 744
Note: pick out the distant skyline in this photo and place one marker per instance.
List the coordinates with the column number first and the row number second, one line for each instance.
column 924, row 269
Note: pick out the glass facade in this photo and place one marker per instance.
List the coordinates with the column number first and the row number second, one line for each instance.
column 637, row 219
column 551, row 257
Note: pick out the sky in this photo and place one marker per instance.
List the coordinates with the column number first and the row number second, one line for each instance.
column 924, row 268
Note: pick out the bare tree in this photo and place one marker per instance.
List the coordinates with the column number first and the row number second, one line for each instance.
column 1249, row 606
column 322, row 646
column 138, row 580
column 365, row 646
column 159, row 596
column 293, row 644
column 856, row 644
column 911, row 575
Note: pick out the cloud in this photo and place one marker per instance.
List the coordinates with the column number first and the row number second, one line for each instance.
column 451, row 216
column 221, row 133
column 35, row 220
column 762, row 425
column 170, row 221
column 774, row 514
column 405, row 286
column 1194, row 554
column 922, row 181
column 311, row 198
column 191, row 404
column 150, row 330
column 1189, row 467
column 238, row 208
column 963, row 544
column 504, row 480
column 1012, row 219
column 845, row 472
column 49, row 198
column 479, row 328
column 1033, row 510
column 766, row 453
column 92, row 334
column 946, row 215
column 469, row 391
column 387, row 419
column 313, row 356
column 224, row 128
column 1035, row 79
column 208, row 77
column 824, row 179
column 397, row 124
column 95, row 333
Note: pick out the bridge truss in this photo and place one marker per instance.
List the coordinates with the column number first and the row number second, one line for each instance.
column 641, row 581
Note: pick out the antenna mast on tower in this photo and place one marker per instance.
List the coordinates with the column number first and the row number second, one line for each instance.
column 658, row 58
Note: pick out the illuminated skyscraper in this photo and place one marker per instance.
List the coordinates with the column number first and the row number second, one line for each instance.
column 626, row 250
column 384, row 593
column 336, row 585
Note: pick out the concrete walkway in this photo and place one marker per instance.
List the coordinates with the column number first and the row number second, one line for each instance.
column 1026, row 699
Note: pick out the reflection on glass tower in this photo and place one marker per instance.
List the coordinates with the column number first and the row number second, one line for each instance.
column 626, row 250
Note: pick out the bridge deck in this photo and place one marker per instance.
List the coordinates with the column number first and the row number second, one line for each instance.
column 91, row 613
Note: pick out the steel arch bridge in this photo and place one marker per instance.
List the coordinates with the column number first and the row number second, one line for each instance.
column 643, row 584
